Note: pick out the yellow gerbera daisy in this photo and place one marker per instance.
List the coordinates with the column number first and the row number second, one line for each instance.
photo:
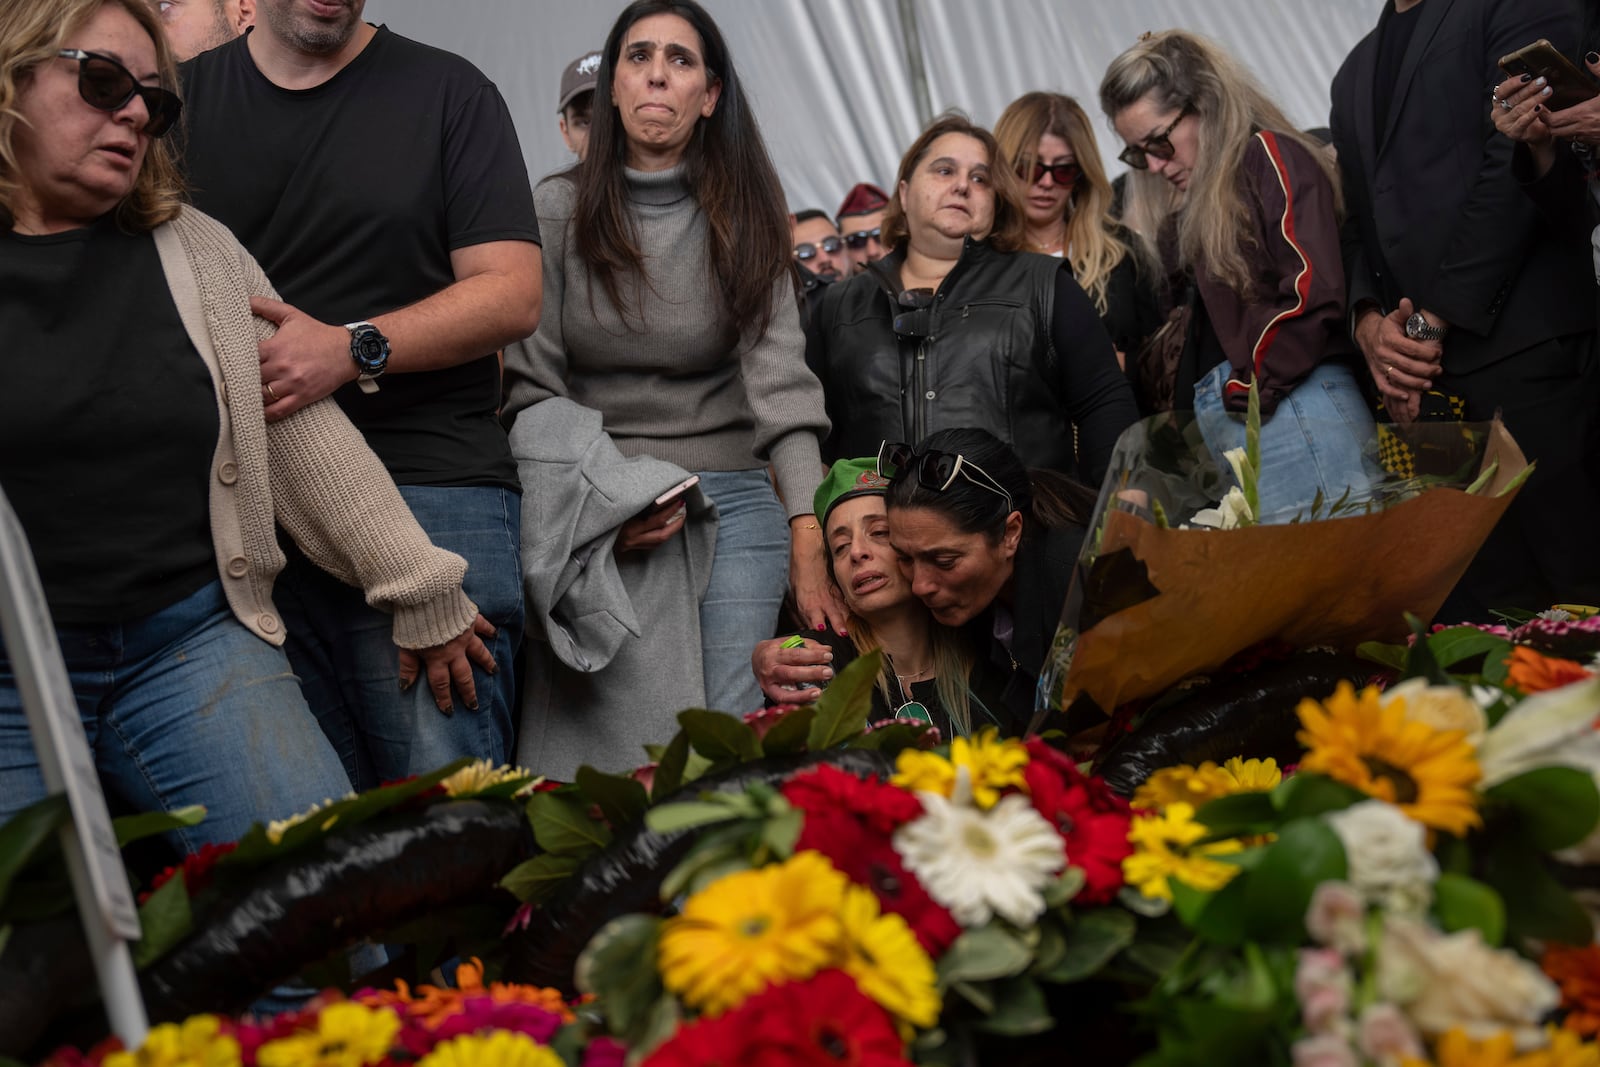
column 1165, row 847
column 196, row 1042
column 347, row 1035
column 994, row 765
column 1456, row 1049
column 749, row 930
column 886, row 960
column 502, row 1048
column 1429, row 774
column 479, row 775
column 1196, row 786
column 1253, row 775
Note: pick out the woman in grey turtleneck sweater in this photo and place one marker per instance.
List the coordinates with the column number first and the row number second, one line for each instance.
column 669, row 308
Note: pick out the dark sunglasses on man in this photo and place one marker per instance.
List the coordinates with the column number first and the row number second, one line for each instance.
column 107, row 85
column 806, row 251
column 1158, row 145
column 858, row 240
column 1060, row 173
column 936, row 470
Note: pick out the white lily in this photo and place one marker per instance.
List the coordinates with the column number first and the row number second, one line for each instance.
column 1231, row 513
column 1553, row 728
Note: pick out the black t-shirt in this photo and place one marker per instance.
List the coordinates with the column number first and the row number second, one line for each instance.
column 108, row 424
column 1395, row 31
column 352, row 195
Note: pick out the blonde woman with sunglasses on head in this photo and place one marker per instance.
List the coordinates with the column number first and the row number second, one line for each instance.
column 1258, row 224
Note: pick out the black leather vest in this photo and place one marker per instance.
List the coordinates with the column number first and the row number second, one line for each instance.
column 979, row 356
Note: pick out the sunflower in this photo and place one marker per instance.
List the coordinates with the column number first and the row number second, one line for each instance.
column 347, row 1035
column 1165, row 847
column 501, row 1048
column 1361, row 741
column 883, row 956
column 992, row 764
column 746, row 931
column 196, row 1042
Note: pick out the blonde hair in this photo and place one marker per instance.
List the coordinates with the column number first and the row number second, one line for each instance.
column 31, row 33
column 1091, row 246
column 952, row 665
column 1184, row 70
column 1149, row 202
column 1009, row 232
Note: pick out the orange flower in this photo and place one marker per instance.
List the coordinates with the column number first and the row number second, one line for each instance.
column 430, row 1006
column 1532, row 672
column 1577, row 972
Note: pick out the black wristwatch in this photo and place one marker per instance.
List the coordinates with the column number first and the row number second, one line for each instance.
column 1419, row 329
column 369, row 348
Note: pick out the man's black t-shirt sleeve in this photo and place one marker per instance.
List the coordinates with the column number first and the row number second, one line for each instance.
column 486, row 185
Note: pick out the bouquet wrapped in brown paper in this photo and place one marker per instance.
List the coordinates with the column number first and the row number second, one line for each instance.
column 1159, row 597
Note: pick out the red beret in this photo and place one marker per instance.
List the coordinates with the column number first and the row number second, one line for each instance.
column 865, row 197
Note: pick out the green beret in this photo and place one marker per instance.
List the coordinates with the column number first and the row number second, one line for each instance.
column 845, row 479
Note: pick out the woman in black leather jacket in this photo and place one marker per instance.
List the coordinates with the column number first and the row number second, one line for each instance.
column 957, row 327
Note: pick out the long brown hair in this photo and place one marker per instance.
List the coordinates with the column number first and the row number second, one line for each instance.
column 1183, row 70
column 726, row 167
column 1092, row 248
column 1009, row 232
column 31, row 33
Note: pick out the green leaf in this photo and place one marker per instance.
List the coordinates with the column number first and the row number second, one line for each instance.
column 164, row 920
column 1268, row 902
column 1093, row 937
column 843, row 708
column 983, row 954
column 1537, row 906
column 5, row 935
column 1558, row 805
column 130, row 828
column 26, row 832
column 688, row 815
column 621, row 799
column 532, row 881
column 894, row 738
column 1020, row 1010
column 618, row 966
column 1068, row 884
column 1420, row 661
column 1452, row 646
column 976, row 995
column 561, row 824
column 660, row 1022
column 1309, row 794
column 719, row 737
column 789, row 734
column 1239, row 815
column 669, row 771
column 1461, row 903
column 1391, row 656
column 782, row 831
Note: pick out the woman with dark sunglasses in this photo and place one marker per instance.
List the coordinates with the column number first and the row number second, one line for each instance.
column 1048, row 142
column 134, row 451
column 958, row 326
column 1258, row 224
column 988, row 545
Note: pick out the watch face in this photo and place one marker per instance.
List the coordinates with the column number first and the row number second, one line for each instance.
column 369, row 349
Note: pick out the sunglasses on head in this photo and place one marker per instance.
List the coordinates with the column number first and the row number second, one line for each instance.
column 1060, row 173
column 808, row 250
column 107, row 85
column 936, row 470
column 858, row 240
column 1157, row 145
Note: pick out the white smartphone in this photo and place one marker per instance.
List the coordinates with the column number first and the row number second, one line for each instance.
column 678, row 490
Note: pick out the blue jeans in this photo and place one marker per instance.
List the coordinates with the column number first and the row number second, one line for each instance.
column 1317, row 439
column 345, row 655
column 183, row 706
column 748, row 579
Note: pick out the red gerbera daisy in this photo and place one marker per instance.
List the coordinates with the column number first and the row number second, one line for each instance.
column 870, row 860
column 828, row 790
column 196, row 868
column 1092, row 820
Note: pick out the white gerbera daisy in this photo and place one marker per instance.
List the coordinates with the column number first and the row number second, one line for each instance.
column 982, row 863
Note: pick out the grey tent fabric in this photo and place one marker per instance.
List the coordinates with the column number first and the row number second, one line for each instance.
column 829, row 78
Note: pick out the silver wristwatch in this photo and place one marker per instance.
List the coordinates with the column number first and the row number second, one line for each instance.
column 1419, row 329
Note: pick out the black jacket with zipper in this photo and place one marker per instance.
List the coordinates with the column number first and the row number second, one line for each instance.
column 980, row 356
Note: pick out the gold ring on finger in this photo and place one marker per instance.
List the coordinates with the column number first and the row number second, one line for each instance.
column 273, row 395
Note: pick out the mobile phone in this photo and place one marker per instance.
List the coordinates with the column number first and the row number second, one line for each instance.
column 678, row 490
column 1568, row 84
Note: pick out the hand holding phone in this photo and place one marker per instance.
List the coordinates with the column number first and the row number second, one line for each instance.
column 658, row 522
column 676, row 491
column 1568, row 85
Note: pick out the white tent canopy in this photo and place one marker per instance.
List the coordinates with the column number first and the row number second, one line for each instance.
column 831, row 83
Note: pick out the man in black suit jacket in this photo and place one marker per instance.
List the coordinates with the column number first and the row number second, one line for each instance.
column 1457, row 284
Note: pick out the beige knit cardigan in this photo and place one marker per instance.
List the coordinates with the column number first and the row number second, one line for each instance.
column 312, row 472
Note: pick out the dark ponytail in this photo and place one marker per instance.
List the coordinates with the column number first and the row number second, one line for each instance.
column 1044, row 497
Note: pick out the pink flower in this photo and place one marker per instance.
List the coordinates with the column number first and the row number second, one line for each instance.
column 605, row 1052
column 1336, row 917
column 1324, row 1050
column 1386, row 1035
column 1323, row 985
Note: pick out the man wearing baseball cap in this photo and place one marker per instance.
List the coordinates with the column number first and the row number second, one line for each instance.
column 577, row 102
column 861, row 224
